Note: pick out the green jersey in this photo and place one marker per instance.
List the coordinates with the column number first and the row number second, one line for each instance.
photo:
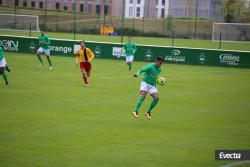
column 130, row 49
column 45, row 39
column 1, row 54
column 150, row 73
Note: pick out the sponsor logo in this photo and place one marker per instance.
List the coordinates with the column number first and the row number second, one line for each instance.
column 98, row 51
column 76, row 48
column 9, row 45
column 149, row 55
column 175, row 56
column 176, row 52
column 118, row 52
column 229, row 59
column 202, row 58
column 32, row 46
column 63, row 49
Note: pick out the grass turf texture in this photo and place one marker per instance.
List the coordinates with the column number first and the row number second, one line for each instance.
column 61, row 20
column 141, row 40
column 47, row 118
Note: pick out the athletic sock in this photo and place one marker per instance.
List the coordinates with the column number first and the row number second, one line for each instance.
column 39, row 58
column 5, row 78
column 50, row 64
column 138, row 103
column 7, row 68
column 85, row 80
column 153, row 104
column 129, row 67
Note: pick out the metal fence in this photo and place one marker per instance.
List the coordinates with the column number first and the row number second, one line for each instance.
column 185, row 19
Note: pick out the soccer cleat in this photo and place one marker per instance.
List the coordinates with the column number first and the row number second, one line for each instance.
column 50, row 68
column 135, row 114
column 40, row 65
column 86, row 85
column 148, row 115
column 7, row 83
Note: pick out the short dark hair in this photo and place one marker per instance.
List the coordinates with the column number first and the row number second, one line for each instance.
column 82, row 42
column 159, row 58
column 42, row 29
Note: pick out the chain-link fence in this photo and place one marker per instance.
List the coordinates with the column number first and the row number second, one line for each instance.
column 184, row 18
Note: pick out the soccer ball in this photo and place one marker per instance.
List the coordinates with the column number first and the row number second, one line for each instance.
column 161, row 81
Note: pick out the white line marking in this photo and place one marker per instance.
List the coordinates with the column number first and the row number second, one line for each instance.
column 235, row 163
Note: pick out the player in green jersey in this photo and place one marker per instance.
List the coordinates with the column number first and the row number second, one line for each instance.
column 3, row 66
column 44, row 43
column 130, row 49
column 148, row 85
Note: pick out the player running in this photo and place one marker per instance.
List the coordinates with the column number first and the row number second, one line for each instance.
column 84, row 56
column 3, row 66
column 148, row 85
column 44, row 43
column 130, row 49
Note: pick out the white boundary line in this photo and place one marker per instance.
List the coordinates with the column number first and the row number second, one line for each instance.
column 138, row 44
column 19, row 30
column 232, row 41
column 18, row 15
column 245, row 24
column 235, row 163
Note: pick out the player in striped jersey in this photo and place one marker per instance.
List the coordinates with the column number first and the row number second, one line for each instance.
column 84, row 56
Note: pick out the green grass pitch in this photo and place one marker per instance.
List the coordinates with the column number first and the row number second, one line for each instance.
column 47, row 118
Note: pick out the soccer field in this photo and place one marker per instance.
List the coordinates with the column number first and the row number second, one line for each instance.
column 48, row 118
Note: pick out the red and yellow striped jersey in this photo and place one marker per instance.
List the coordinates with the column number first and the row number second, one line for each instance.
column 84, row 55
